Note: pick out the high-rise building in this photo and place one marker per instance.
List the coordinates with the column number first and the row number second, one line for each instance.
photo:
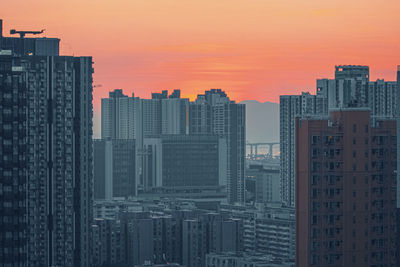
column 215, row 113
column 398, row 162
column 119, row 116
column 151, row 114
column 291, row 107
column 348, row 89
column 352, row 88
column 346, row 197
column 114, row 168
column 382, row 99
column 165, row 115
column 47, row 123
column 124, row 117
column 398, row 140
column 200, row 118
column 211, row 114
column 175, row 115
column 13, row 201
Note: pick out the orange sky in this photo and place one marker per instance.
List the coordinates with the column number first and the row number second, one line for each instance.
column 254, row 49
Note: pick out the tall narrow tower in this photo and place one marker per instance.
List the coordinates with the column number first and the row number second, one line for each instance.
column 46, row 157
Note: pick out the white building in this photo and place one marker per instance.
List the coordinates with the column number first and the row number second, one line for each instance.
column 291, row 107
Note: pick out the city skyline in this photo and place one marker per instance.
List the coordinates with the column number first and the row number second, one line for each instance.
column 125, row 128
column 249, row 48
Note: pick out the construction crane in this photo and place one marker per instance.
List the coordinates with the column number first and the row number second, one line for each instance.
column 22, row 33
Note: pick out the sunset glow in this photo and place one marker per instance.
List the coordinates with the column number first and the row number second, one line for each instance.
column 255, row 49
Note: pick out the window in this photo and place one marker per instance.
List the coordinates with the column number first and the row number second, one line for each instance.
column 315, row 179
column 314, row 220
column 315, row 152
column 354, row 128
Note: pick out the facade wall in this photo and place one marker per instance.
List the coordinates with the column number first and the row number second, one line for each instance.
column 190, row 161
column 114, row 168
column 346, row 191
column 174, row 116
column 14, row 165
column 58, row 157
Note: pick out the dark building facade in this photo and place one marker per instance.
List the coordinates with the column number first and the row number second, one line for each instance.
column 13, row 181
column 114, row 168
column 168, row 235
column 191, row 161
column 46, row 160
column 346, row 190
column 214, row 113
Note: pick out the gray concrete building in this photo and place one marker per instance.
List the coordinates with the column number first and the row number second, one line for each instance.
column 214, row 113
column 209, row 232
column 227, row 235
column 120, row 116
column 124, row 117
column 114, row 168
column 382, row 99
column 292, row 106
column 190, row 161
column 351, row 87
column 266, row 183
column 109, row 239
column 268, row 228
column 211, row 114
column 175, row 116
column 178, row 232
column 398, row 141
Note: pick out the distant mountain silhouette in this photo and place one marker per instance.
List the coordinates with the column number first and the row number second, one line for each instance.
column 262, row 121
